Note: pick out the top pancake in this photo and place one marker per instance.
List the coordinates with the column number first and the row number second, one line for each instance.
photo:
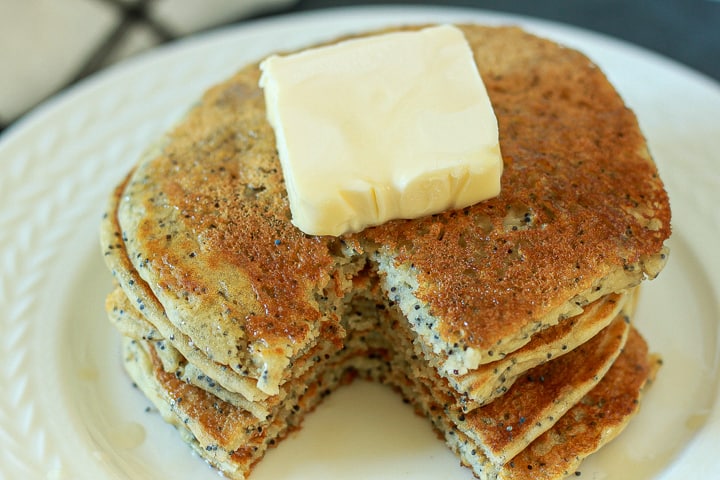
column 204, row 219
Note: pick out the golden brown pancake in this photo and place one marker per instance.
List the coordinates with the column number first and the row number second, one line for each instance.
column 494, row 378
column 491, row 380
column 226, row 298
column 233, row 440
column 559, row 451
column 504, row 427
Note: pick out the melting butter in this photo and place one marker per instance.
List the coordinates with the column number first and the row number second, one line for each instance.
column 127, row 435
column 390, row 126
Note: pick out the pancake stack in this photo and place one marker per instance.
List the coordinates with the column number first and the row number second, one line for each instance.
column 507, row 323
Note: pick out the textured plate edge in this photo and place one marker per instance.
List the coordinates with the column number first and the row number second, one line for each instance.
column 55, row 105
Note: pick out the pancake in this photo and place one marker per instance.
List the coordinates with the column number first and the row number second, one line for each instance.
column 559, row 452
column 505, row 427
column 229, row 307
column 233, row 441
column 494, row 378
column 491, row 380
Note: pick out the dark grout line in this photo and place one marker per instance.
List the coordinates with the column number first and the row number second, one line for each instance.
column 132, row 14
column 106, row 47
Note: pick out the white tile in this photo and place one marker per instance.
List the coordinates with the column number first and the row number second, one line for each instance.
column 43, row 43
column 138, row 38
column 187, row 16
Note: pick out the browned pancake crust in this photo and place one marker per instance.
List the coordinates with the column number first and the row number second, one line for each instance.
column 593, row 422
column 580, row 198
column 219, row 179
column 224, row 421
column 545, row 393
column 589, row 424
column 202, row 233
column 501, row 374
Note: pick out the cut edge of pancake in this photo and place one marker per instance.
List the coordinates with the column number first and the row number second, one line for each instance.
column 372, row 322
column 629, row 369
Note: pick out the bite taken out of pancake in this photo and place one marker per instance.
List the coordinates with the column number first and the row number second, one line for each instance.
column 237, row 324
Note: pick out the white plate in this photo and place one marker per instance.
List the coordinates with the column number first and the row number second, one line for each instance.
column 68, row 411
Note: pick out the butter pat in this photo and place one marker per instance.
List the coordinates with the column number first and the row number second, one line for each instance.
column 390, row 126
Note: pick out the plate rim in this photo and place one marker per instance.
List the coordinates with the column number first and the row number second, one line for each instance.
column 33, row 120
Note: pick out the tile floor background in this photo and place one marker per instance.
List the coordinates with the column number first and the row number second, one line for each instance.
column 46, row 45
